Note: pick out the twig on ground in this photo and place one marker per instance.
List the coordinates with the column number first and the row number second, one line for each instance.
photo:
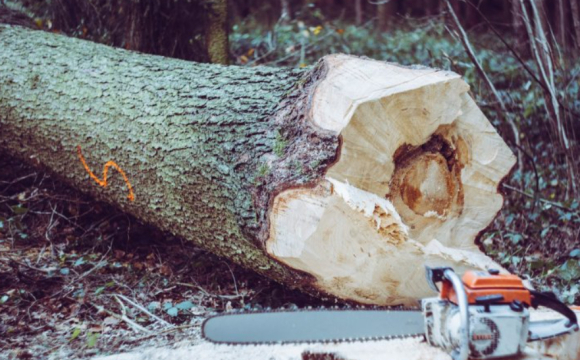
column 161, row 291
column 144, row 310
column 45, row 270
column 10, row 183
column 124, row 318
column 227, row 297
column 51, row 225
column 98, row 265
column 162, row 332
column 233, row 277
column 555, row 204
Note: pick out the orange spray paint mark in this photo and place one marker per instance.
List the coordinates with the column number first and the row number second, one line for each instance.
column 103, row 182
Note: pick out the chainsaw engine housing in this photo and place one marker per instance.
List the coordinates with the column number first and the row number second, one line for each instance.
column 495, row 331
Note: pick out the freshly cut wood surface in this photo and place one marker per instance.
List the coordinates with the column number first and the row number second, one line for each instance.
column 343, row 180
column 415, row 182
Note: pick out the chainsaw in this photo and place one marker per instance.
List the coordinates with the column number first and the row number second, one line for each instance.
column 482, row 315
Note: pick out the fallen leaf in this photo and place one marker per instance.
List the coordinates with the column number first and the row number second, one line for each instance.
column 165, row 270
column 75, row 334
column 96, row 328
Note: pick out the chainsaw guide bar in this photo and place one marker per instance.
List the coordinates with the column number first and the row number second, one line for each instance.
column 314, row 325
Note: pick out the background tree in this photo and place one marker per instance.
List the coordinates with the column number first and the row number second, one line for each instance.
column 185, row 29
column 216, row 32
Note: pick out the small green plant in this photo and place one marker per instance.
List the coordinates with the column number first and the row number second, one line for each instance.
column 262, row 172
column 279, row 145
column 92, row 339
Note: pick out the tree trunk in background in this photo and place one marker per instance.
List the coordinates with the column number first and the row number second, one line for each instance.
column 517, row 23
column 385, row 10
column 541, row 16
column 441, row 6
column 216, row 35
column 343, row 180
column 358, row 10
column 471, row 14
column 576, row 22
column 428, row 6
column 134, row 28
column 286, row 14
column 561, row 22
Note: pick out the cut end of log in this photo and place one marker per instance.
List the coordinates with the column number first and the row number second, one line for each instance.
column 415, row 182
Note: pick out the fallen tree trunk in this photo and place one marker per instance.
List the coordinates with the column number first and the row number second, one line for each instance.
column 341, row 180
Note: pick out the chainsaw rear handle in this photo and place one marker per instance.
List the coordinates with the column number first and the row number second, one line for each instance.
column 463, row 352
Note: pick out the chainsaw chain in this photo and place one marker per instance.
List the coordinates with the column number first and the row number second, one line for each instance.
column 235, row 312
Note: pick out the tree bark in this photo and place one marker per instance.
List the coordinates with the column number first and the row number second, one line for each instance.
column 286, row 13
column 561, row 23
column 382, row 15
column 358, row 11
column 342, row 180
column 517, row 23
column 576, row 22
column 216, row 34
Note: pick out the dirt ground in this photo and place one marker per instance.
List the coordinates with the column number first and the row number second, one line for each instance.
column 80, row 279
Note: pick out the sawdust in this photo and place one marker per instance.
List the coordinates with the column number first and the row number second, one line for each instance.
column 405, row 349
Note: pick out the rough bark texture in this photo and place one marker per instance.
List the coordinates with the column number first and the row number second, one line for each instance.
column 201, row 144
column 415, row 184
column 576, row 21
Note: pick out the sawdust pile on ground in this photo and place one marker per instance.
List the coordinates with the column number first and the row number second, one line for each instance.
column 401, row 349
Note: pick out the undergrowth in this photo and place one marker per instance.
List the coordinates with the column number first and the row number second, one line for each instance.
column 75, row 275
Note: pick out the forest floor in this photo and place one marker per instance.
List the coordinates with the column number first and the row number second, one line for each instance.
column 80, row 279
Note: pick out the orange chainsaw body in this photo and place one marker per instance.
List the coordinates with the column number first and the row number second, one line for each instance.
column 479, row 284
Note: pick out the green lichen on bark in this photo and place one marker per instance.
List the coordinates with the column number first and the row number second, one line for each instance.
column 191, row 137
